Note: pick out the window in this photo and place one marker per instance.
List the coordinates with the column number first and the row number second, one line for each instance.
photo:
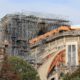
column 71, row 54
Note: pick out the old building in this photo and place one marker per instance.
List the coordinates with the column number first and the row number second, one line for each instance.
column 52, row 46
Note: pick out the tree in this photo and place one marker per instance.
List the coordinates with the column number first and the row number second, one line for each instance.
column 19, row 69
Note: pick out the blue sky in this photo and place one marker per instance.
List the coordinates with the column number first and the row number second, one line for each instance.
column 68, row 8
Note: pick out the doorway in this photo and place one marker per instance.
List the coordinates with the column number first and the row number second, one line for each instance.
column 53, row 79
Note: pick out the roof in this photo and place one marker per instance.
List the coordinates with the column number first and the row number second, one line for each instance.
column 48, row 34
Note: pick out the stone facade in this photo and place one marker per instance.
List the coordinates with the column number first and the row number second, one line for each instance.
column 52, row 47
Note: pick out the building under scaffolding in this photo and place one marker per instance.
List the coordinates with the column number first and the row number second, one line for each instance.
column 20, row 28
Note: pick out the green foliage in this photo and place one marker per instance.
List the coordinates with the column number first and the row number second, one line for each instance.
column 21, row 68
column 74, row 76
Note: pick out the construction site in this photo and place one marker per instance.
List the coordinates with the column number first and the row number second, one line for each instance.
column 19, row 29
column 51, row 45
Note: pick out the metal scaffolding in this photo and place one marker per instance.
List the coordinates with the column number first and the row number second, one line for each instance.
column 20, row 28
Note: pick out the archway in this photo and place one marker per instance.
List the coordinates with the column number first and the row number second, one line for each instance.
column 60, row 58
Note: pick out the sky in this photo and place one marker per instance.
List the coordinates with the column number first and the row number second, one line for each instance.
column 69, row 9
